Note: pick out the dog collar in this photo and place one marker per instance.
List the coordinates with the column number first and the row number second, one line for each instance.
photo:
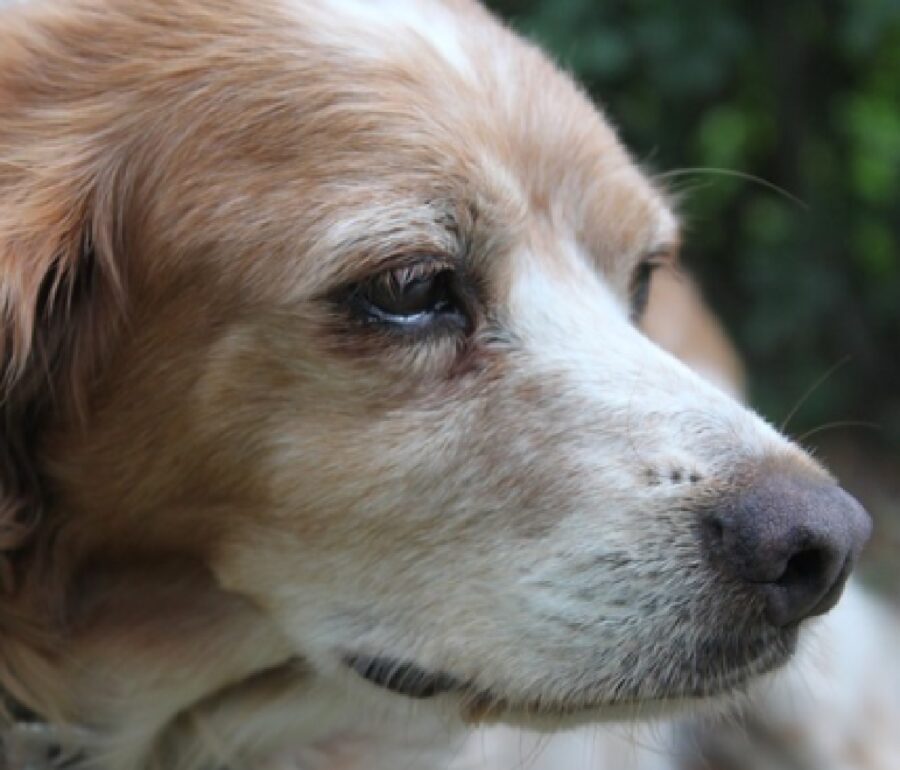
column 31, row 745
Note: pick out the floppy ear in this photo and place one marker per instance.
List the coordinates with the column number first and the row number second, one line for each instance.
column 58, row 290
column 50, row 332
column 60, row 296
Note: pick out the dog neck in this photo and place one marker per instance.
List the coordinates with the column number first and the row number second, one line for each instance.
column 142, row 653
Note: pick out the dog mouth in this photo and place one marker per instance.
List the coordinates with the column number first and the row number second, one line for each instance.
column 403, row 677
column 719, row 677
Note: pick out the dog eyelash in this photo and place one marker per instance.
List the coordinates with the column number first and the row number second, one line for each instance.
column 422, row 297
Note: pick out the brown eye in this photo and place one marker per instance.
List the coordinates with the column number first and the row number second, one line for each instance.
column 416, row 296
column 640, row 287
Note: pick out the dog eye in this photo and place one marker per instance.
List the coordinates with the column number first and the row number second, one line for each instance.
column 640, row 286
column 412, row 297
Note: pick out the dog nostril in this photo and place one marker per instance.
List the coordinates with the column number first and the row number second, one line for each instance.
column 715, row 531
column 676, row 476
column 789, row 540
column 694, row 478
column 804, row 567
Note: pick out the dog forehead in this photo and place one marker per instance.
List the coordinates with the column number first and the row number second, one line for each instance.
column 362, row 114
column 452, row 96
column 362, row 22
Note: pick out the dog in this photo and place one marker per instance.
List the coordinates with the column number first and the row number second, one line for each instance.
column 325, row 412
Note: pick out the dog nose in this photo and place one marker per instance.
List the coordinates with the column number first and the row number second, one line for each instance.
column 792, row 539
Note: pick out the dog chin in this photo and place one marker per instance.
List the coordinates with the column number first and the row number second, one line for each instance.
column 720, row 687
column 540, row 716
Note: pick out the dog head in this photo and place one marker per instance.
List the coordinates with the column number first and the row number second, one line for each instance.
column 338, row 301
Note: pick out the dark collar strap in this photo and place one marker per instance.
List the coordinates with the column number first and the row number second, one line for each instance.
column 33, row 745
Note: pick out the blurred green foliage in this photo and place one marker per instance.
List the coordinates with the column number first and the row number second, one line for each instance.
column 805, row 95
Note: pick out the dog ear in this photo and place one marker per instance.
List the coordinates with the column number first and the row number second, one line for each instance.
column 50, row 332
column 60, row 296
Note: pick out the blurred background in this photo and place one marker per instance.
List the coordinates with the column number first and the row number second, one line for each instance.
column 777, row 127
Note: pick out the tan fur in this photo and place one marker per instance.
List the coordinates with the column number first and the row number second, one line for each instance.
column 226, row 484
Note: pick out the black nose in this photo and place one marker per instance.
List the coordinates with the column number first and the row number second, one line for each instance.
column 792, row 539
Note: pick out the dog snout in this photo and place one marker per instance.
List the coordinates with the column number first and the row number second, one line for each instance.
column 792, row 540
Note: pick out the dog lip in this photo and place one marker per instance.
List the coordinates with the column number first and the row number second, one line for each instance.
column 406, row 678
column 485, row 707
column 402, row 677
column 716, row 656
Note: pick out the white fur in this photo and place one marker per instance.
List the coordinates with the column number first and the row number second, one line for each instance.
column 367, row 25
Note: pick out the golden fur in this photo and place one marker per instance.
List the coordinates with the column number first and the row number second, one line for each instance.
column 216, row 485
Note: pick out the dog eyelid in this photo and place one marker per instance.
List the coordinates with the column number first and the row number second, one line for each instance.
column 412, row 296
column 642, row 276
